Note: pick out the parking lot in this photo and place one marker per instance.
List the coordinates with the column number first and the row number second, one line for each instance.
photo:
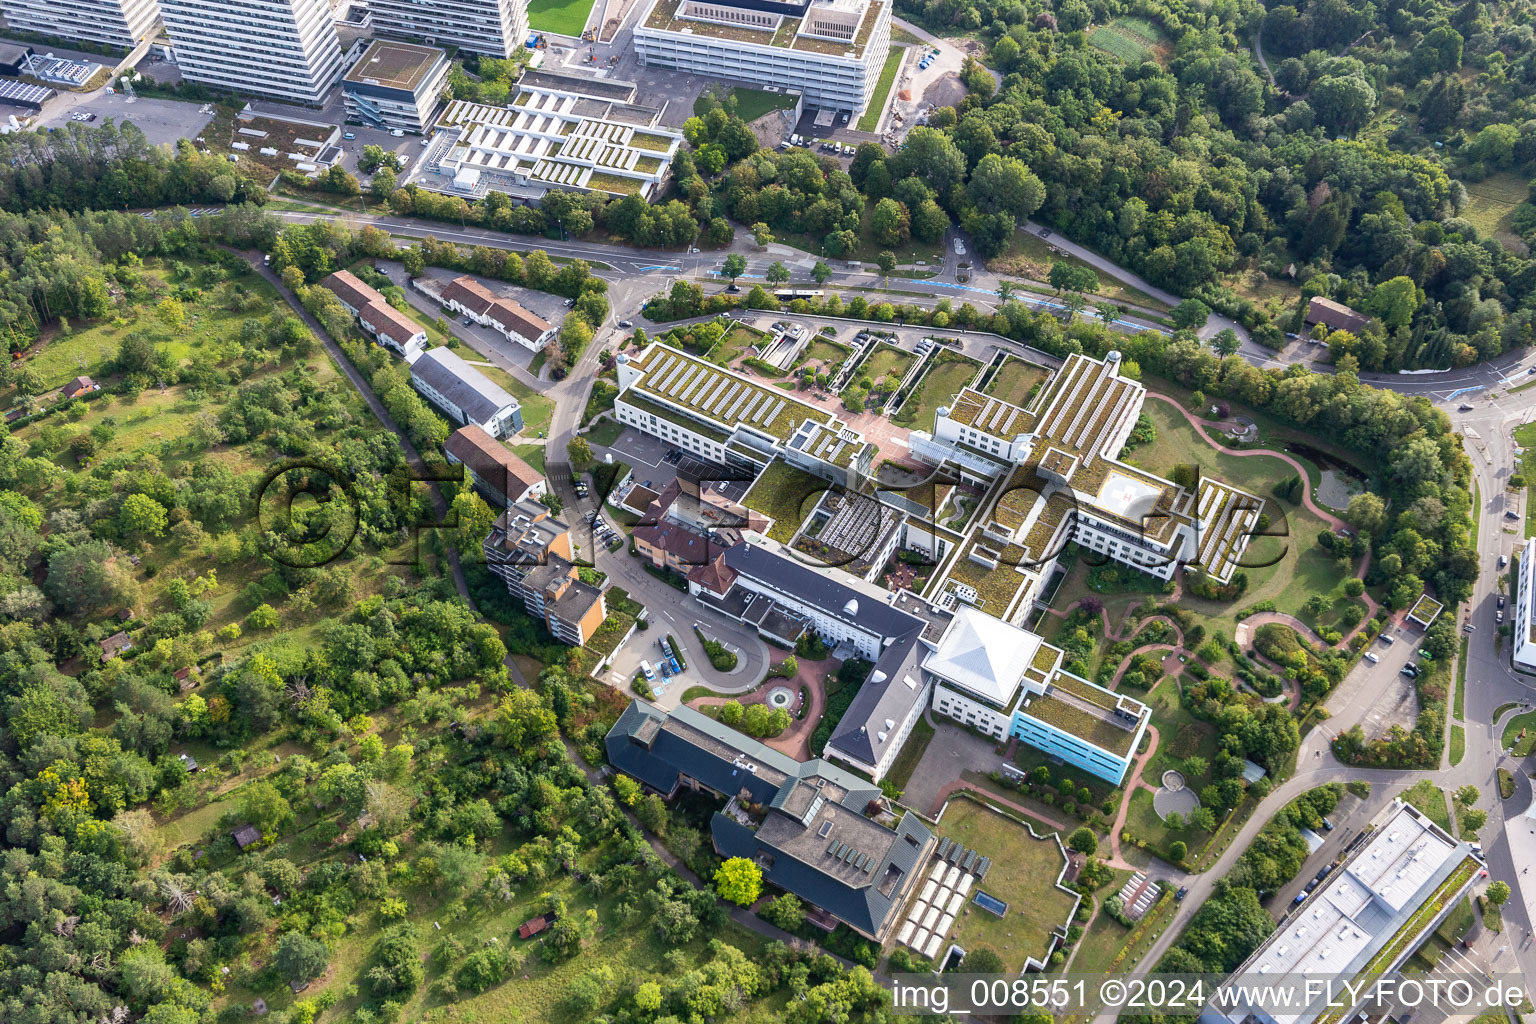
column 163, row 122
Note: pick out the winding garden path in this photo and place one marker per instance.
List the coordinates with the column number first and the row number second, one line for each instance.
column 796, row 740
column 1334, row 522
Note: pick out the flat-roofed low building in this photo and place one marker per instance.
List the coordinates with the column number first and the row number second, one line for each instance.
column 832, row 51
column 396, row 85
column 464, row 393
column 503, row 315
column 732, row 419
column 1364, row 922
column 493, row 467
column 560, row 131
column 1054, row 476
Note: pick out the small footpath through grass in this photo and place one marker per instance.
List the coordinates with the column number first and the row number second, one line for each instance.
column 877, row 103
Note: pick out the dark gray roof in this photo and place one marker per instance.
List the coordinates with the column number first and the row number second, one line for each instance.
column 462, row 384
column 813, row 840
column 581, row 85
column 863, row 897
column 821, row 591
column 721, row 758
column 885, row 696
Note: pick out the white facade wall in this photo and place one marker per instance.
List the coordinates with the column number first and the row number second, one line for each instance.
column 498, row 426
column 284, row 49
column 825, row 79
column 123, row 23
column 487, row 320
column 964, row 709
column 494, row 27
column 1525, row 608
column 669, row 431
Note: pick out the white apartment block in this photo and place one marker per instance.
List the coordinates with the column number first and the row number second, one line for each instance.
column 123, row 23
column 1524, row 652
column 283, row 49
column 493, row 27
column 1054, row 475
column 396, row 85
column 830, row 50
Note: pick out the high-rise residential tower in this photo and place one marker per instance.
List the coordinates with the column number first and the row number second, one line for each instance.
column 495, row 27
column 284, row 49
column 123, row 23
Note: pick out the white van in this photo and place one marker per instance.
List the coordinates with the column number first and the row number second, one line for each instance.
column 649, row 672
column 1371, row 657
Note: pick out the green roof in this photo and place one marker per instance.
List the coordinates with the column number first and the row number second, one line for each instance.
column 702, row 389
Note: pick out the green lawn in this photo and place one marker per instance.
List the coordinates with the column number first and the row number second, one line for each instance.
column 1491, row 203
column 1525, row 437
column 878, row 102
column 1015, row 381
column 1030, row 256
column 1133, row 40
column 1023, row 875
column 752, row 104
column 1286, row 565
column 825, row 351
column 947, row 373
column 1513, row 728
column 1458, row 744
column 787, row 495
column 537, row 410
column 563, row 17
column 1430, row 799
column 533, row 454
column 606, row 432
column 911, row 754
column 887, row 360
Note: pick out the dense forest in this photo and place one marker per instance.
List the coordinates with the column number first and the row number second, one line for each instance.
column 1187, row 165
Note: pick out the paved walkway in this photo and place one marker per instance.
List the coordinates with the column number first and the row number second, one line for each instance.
column 796, row 740
column 1333, row 521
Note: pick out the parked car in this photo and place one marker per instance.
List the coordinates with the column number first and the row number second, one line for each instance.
column 1503, row 561
column 1299, row 898
column 1510, row 513
column 1501, row 600
column 1327, row 827
column 349, row 136
column 1178, row 897
column 645, row 667
column 1388, row 639
column 626, row 323
column 1371, row 657
column 397, row 133
column 1498, row 616
column 1410, row 671
column 1464, row 407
